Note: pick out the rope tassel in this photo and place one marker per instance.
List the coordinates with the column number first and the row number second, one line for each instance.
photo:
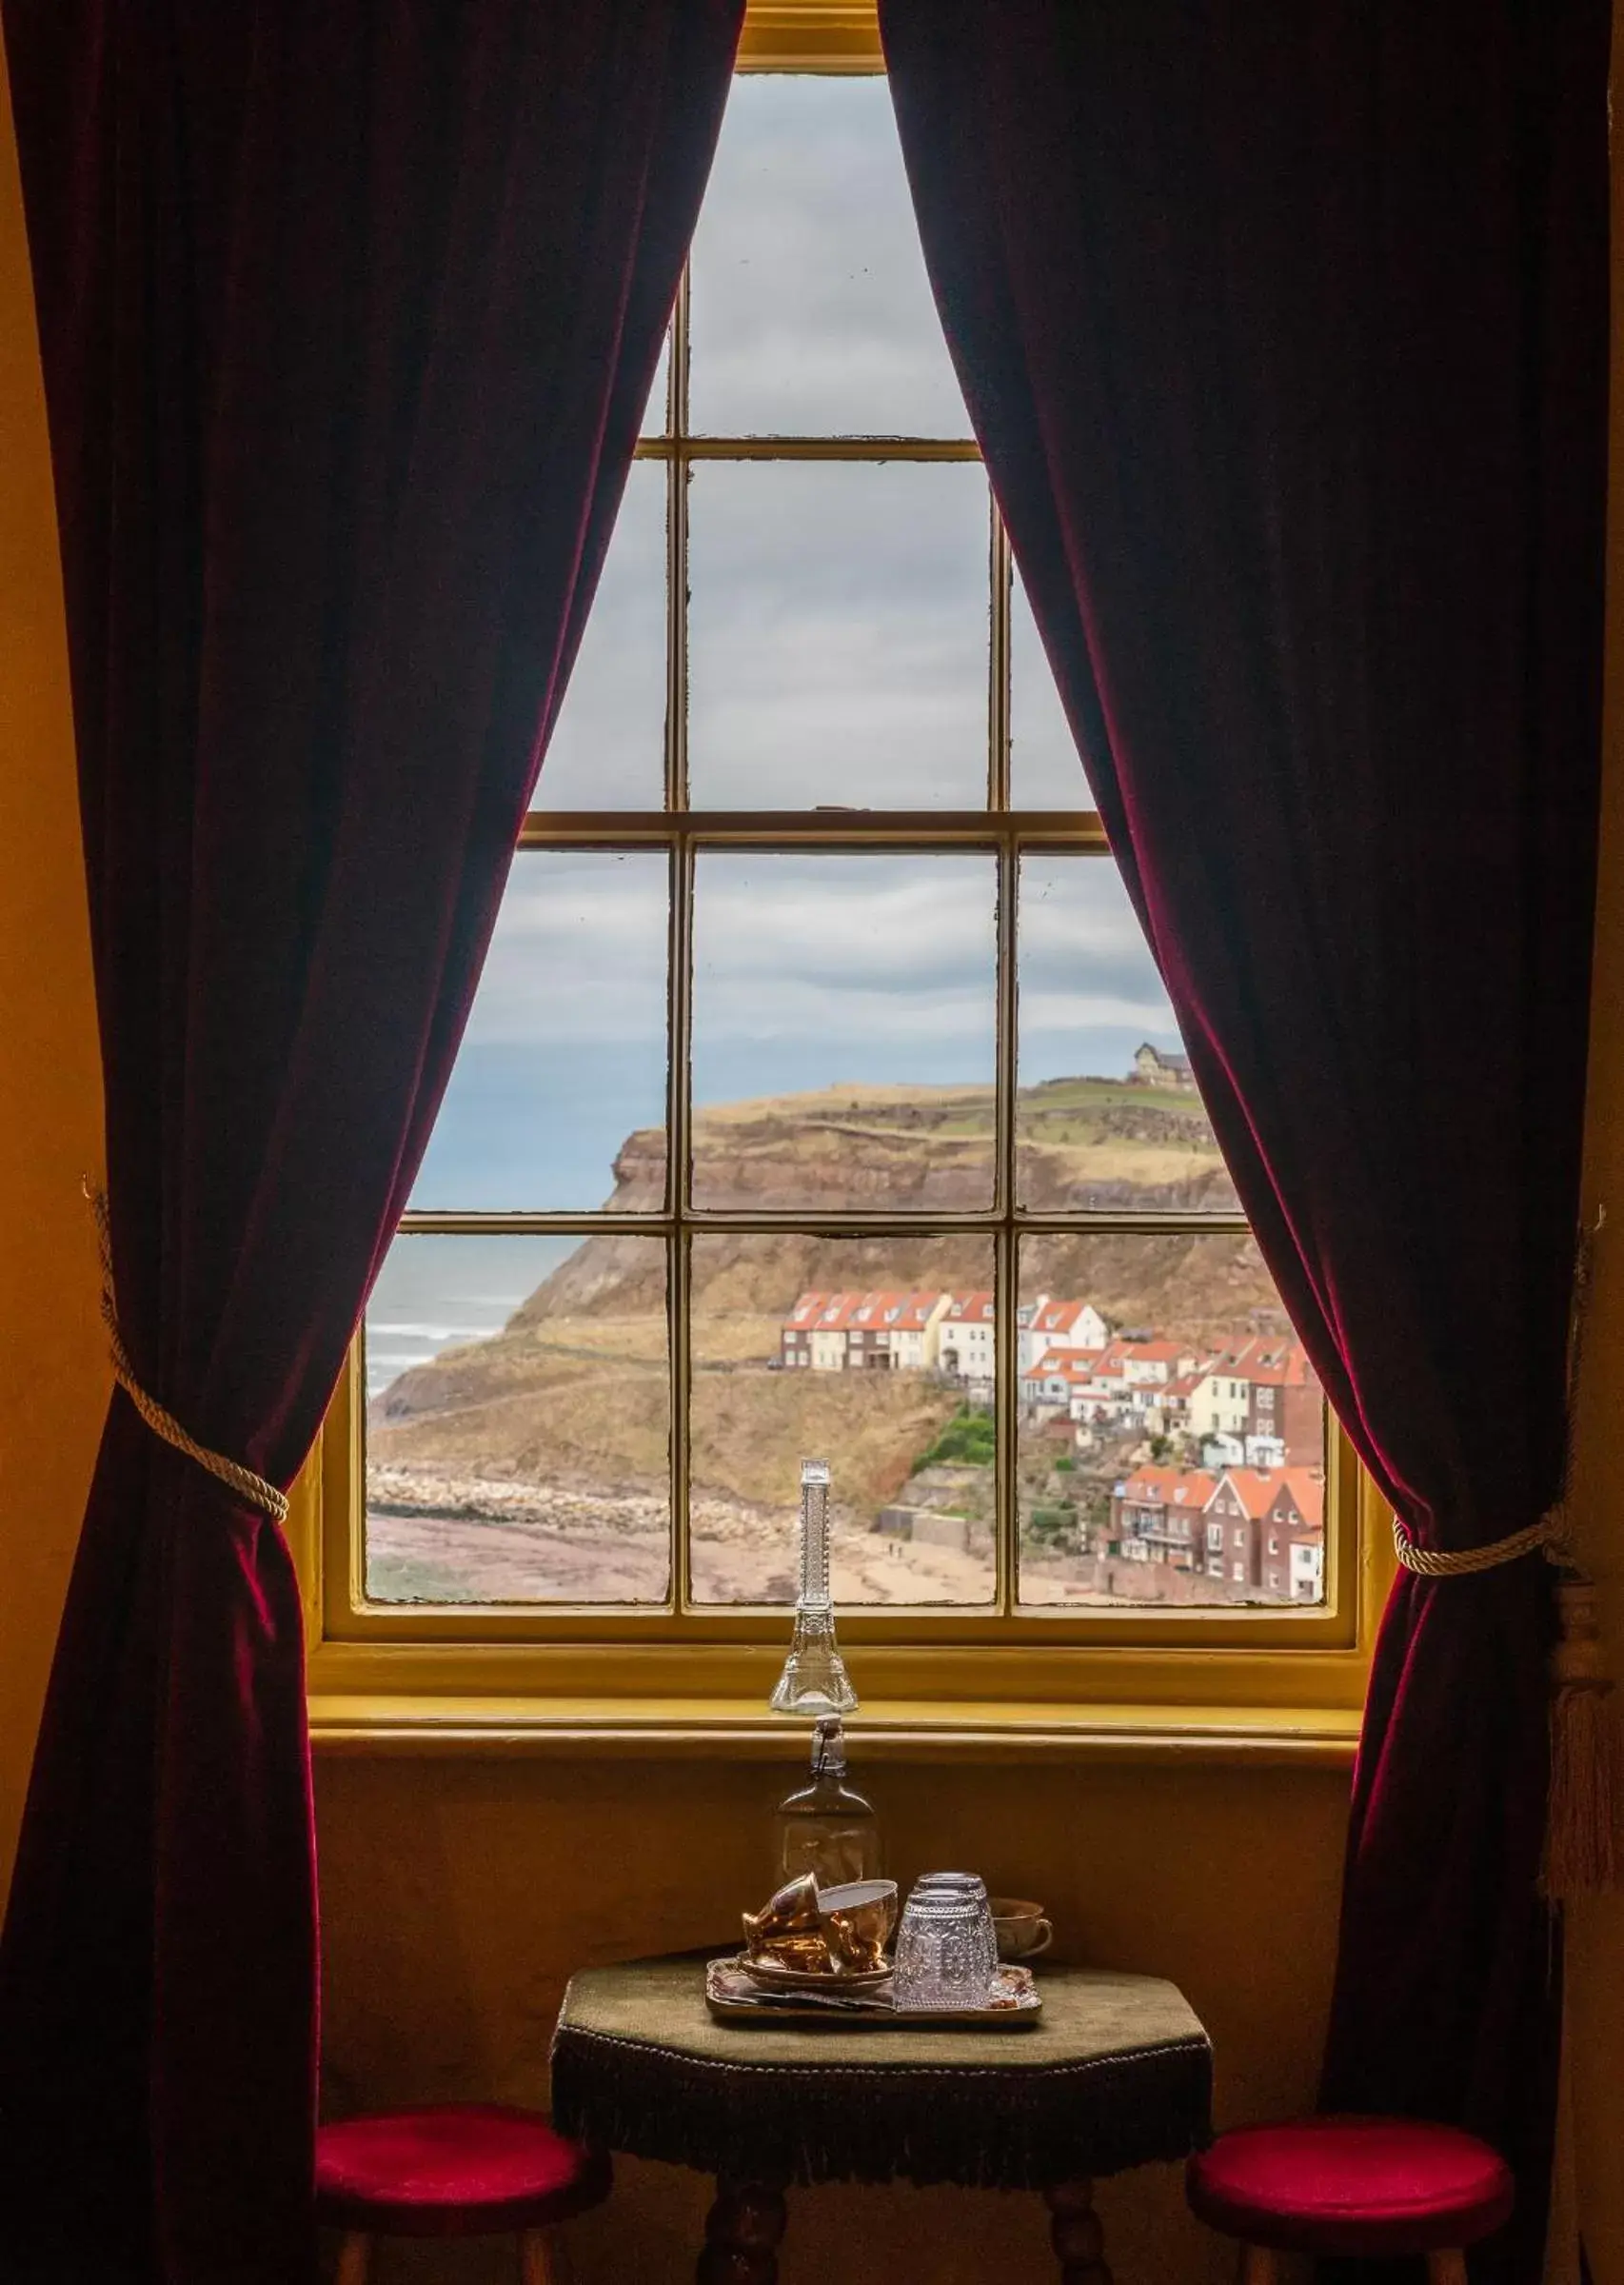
column 1581, row 1850
column 1581, row 1857
column 1580, row 1841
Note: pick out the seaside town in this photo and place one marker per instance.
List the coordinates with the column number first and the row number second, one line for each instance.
column 1206, row 1462
column 1169, row 1432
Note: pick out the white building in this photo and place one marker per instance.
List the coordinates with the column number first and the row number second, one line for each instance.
column 828, row 1336
column 1219, row 1402
column 1224, row 1451
column 1101, row 1395
column 1153, row 1363
column 893, row 1332
column 964, row 1338
column 795, row 1338
column 896, row 1332
column 1168, row 1412
column 1048, row 1326
column 1047, row 1388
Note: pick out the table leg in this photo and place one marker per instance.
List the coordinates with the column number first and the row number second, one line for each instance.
column 742, row 2234
column 1076, row 2234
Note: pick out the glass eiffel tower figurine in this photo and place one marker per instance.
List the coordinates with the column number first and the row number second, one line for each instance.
column 814, row 1680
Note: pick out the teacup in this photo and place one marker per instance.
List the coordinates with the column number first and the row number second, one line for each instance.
column 788, row 1928
column 858, row 1920
column 1020, row 1927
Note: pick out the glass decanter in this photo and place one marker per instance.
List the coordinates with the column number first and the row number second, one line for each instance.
column 826, row 1828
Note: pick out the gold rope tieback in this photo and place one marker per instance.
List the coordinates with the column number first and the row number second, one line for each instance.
column 164, row 1424
column 1437, row 1563
column 1581, row 1810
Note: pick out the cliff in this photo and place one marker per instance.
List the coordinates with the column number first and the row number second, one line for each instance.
column 534, row 1463
column 1081, row 1143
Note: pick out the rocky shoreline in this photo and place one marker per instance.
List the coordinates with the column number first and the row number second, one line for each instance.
column 434, row 1537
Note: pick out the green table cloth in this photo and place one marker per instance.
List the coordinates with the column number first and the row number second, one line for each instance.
column 1116, row 2073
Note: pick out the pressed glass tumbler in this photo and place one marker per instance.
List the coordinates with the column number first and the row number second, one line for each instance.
column 947, row 1948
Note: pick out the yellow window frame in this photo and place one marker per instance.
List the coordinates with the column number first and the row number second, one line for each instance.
column 1281, row 1683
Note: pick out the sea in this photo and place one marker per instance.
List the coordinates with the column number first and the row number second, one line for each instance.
column 437, row 1293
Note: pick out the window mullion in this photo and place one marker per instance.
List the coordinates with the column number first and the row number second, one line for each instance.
column 677, row 564
column 679, row 1257
column 1006, row 1509
column 1005, row 1387
column 999, row 706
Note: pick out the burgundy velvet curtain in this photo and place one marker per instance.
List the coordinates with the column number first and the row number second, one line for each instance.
column 1283, row 329
column 347, row 316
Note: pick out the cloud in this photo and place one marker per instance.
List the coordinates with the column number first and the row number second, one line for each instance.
column 839, row 615
column 609, row 746
column 839, row 635
column 811, row 310
column 1084, row 964
column 578, row 952
column 838, row 948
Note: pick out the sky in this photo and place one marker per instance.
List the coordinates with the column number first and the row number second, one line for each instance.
column 809, row 970
column 838, row 654
column 839, row 624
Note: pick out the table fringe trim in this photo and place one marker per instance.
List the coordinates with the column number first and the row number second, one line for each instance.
column 1026, row 2128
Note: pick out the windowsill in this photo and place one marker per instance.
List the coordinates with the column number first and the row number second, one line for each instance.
column 897, row 1730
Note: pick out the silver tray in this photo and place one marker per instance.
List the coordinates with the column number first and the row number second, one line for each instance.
column 734, row 1995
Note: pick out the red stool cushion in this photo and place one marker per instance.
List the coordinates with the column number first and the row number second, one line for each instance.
column 453, row 2170
column 1352, row 2186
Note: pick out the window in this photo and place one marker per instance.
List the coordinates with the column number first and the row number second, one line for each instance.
column 816, row 1005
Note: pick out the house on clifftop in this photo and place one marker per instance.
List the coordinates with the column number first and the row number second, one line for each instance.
column 1154, row 1069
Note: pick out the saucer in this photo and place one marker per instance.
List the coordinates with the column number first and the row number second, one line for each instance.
column 770, row 1973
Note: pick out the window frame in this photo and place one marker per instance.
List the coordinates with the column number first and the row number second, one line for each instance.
column 927, row 1664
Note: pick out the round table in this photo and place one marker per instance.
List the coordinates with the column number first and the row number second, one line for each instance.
column 1117, row 2072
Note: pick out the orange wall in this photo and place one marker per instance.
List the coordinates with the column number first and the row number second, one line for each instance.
column 458, row 1893
column 52, row 1379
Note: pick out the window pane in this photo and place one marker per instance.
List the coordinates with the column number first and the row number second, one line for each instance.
column 811, row 1347
column 1044, row 771
column 812, row 312
column 608, row 748
column 558, row 1100
column 657, row 413
column 1172, row 1431
column 518, row 1422
column 1107, row 1116
column 838, row 635
column 844, row 1023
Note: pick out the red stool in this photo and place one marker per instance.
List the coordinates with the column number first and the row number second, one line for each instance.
column 1376, row 2186
column 459, row 2170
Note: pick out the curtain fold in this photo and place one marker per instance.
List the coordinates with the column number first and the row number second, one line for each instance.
column 347, row 318
column 1283, row 330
